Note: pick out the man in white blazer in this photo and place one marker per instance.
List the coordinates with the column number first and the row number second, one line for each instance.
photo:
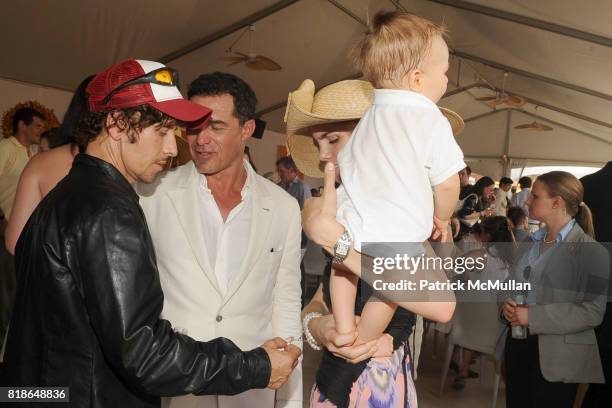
column 227, row 242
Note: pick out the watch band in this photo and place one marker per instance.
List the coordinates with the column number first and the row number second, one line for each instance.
column 342, row 247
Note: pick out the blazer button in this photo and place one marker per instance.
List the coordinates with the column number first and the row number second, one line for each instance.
column 219, row 318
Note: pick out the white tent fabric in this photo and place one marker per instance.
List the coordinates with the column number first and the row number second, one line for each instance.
column 558, row 56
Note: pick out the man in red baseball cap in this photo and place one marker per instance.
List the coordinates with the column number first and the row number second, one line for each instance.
column 88, row 301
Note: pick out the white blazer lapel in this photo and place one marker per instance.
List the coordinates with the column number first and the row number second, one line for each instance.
column 186, row 204
column 263, row 213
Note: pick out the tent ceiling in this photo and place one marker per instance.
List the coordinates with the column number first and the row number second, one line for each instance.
column 569, row 77
column 591, row 17
column 71, row 39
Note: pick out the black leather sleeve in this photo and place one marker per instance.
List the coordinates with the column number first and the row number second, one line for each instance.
column 123, row 296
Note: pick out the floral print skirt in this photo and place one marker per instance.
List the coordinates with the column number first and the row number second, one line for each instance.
column 384, row 383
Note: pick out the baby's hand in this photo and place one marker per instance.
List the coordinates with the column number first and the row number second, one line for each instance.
column 440, row 230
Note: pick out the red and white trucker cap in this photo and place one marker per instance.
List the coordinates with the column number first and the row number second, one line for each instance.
column 131, row 86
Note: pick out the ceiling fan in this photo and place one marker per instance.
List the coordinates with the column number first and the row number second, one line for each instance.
column 502, row 98
column 251, row 60
column 535, row 125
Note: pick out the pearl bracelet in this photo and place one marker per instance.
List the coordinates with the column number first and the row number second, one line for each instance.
column 309, row 337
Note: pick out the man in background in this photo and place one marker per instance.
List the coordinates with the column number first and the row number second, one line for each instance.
column 501, row 196
column 464, row 176
column 520, row 200
column 28, row 125
column 291, row 182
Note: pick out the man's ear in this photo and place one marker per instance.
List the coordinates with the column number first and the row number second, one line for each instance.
column 247, row 129
column 113, row 126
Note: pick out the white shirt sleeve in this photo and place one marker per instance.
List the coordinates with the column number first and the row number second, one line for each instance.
column 445, row 157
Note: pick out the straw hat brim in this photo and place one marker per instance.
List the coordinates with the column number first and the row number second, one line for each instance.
column 455, row 120
column 300, row 142
column 342, row 101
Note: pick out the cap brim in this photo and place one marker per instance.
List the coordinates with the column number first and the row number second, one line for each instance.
column 197, row 116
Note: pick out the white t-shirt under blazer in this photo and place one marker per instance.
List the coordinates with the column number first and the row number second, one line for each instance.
column 401, row 148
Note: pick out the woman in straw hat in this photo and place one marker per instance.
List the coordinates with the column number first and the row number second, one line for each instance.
column 318, row 125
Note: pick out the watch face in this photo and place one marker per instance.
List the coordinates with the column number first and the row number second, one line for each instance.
column 342, row 249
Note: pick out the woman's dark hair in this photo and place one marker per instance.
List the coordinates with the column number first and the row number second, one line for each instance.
column 481, row 184
column 78, row 106
column 131, row 120
column 221, row 83
column 499, row 230
column 53, row 137
column 479, row 187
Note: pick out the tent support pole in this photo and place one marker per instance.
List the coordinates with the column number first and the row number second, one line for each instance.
column 507, row 144
column 561, row 125
column 534, row 102
column 528, row 21
column 348, row 12
column 484, row 115
column 253, row 18
column 552, row 161
column 531, row 75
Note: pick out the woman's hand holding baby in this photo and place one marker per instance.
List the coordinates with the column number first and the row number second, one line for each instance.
column 343, row 344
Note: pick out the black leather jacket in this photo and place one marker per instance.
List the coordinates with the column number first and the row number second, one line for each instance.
column 88, row 302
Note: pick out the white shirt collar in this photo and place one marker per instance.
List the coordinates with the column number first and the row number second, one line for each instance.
column 246, row 188
column 400, row 96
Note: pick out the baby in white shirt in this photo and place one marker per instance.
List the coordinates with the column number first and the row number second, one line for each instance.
column 401, row 150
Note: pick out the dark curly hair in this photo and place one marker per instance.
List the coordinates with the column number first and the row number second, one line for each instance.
column 220, row 83
column 26, row 115
column 132, row 120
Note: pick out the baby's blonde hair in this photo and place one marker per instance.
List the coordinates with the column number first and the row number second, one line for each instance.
column 396, row 43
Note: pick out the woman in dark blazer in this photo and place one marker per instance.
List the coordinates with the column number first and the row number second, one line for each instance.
column 569, row 273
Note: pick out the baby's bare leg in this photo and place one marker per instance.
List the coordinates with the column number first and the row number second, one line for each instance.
column 343, row 290
column 375, row 318
column 377, row 313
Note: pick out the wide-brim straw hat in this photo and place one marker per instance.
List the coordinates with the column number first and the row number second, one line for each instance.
column 338, row 102
column 455, row 120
